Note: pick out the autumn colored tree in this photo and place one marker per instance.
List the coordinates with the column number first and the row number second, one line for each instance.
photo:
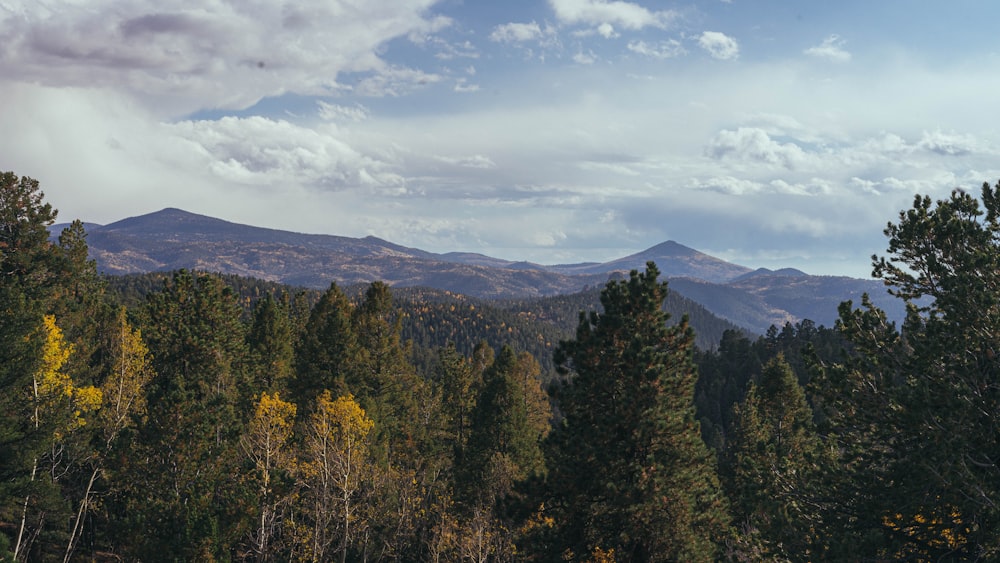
column 267, row 444
column 59, row 409
column 336, row 466
column 628, row 468
column 123, row 403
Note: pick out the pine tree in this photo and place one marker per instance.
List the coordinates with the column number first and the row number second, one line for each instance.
column 32, row 273
column 459, row 388
column 774, row 457
column 627, row 464
column 184, row 496
column 272, row 343
column 382, row 379
column 914, row 412
column 327, row 350
column 503, row 444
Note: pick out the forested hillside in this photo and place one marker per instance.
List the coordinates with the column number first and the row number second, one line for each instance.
column 188, row 416
column 433, row 318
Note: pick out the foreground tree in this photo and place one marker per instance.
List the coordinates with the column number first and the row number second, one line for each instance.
column 123, row 395
column 184, row 494
column 28, row 270
column 916, row 414
column 336, row 467
column 267, row 444
column 629, row 470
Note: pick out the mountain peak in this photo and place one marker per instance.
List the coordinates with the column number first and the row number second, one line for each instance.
column 170, row 218
column 671, row 248
column 676, row 261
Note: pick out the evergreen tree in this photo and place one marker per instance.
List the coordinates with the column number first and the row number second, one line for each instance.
column 31, row 271
column 186, row 496
column 915, row 413
column 271, row 340
column 628, row 467
column 327, row 349
column 773, row 459
column 382, row 378
column 459, row 388
column 503, row 445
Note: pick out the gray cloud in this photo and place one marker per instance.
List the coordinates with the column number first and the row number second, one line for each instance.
column 751, row 144
column 181, row 57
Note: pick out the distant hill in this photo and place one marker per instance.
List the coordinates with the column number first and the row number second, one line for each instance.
column 172, row 239
column 674, row 260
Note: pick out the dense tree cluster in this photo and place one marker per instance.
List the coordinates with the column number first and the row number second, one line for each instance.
column 189, row 416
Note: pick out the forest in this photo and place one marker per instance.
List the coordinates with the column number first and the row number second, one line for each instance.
column 189, row 416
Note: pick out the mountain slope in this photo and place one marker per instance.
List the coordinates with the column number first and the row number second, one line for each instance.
column 172, row 239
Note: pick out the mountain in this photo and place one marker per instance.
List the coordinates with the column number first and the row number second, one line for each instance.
column 172, row 239
column 673, row 259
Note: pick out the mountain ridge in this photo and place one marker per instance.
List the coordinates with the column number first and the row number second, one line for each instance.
column 172, row 239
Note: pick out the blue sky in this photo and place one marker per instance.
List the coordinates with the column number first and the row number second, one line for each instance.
column 768, row 133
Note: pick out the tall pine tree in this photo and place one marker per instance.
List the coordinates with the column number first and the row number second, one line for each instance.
column 628, row 468
column 186, row 493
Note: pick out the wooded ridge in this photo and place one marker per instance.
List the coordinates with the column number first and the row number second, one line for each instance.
column 172, row 239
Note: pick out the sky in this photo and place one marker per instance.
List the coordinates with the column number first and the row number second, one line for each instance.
column 768, row 133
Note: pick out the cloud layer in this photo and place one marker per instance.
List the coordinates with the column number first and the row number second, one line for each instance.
column 564, row 131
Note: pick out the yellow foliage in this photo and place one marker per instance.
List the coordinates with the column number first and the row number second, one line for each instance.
column 57, row 399
column 601, row 556
column 937, row 527
column 274, row 413
column 349, row 420
column 268, row 434
column 539, row 520
column 124, row 389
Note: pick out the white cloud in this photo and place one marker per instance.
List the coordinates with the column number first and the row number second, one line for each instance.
column 755, row 145
column 449, row 51
column 729, row 185
column 261, row 151
column 515, row 32
column 607, row 31
column 831, row 49
column 338, row 113
column 628, row 15
column 587, row 58
column 719, row 45
column 661, row 50
column 474, row 161
column 395, row 81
